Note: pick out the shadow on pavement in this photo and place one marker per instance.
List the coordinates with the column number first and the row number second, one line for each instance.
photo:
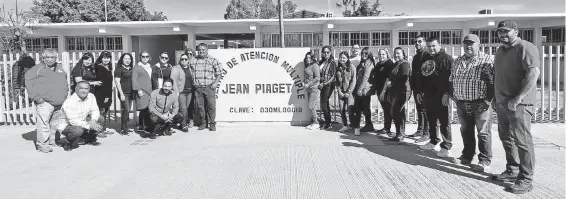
column 410, row 153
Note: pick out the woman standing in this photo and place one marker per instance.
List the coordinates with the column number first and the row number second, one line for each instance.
column 312, row 80
column 398, row 92
column 103, row 93
column 382, row 71
column 123, row 81
column 362, row 93
column 85, row 70
column 183, row 83
column 144, row 81
column 326, row 86
column 346, row 78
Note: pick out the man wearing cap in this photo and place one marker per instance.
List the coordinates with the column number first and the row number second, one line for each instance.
column 471, row 87
column 517, row 69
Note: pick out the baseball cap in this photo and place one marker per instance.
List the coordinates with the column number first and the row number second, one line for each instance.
column 472, row 37
column 507, row 25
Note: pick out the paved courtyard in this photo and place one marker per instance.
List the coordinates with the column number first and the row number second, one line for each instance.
column 268, row 160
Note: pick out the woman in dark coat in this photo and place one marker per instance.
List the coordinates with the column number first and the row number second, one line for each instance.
column 382, row 71
column 103, row 93
column 85, row 70
column 144, row 81
column 398, row 91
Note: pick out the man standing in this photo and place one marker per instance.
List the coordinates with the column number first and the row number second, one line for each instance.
column 517, row 65
column 76, row 126
column 206, row 74
column 418, row 60
column 471, row 83
column 355, row 58
column 164, row 109
column 47, row 86
column 434, row 88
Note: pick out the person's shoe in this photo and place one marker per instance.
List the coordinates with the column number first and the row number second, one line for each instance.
column 423, row 138
column 383, row 131
column 311, row 126
column 202, row 127
column 107, row 132
column 168, row 132
column 94, row 143
column 416, row 134
column 481, row 167
column 185, row 129
column 506, row 175
column 67, row 147
column 327, row 127
column 344, row 129
column 153, row 135
column 191, row 124
column 520, row 187
column 357, row 131
column 444, row 153
column 464, row 161
column 81, row 141
column 124, row 131
column 212, row 127
column 101, row 135
column 45, row 149
column 429, row 146
column 367, row 129
column 397, row 138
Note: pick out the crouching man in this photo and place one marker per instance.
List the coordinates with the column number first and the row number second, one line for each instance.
column 77, row 127
column 164, row 109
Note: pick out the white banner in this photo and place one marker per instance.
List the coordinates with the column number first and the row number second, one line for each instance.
column 262, row 84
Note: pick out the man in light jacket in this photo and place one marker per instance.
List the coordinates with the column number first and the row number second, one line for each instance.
column 164, row 109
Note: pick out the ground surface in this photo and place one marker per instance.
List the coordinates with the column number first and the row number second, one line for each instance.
column 267, row 160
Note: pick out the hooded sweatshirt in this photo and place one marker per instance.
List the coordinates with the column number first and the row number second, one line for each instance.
column 435, row 74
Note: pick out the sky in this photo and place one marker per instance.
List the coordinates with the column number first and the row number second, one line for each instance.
column 215, row 9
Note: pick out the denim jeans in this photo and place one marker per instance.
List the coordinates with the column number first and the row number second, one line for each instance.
column 421, row 116
column 387, row 118
column 362, row 106
column 184, row 103
column 325, row 95
column 313, row 99
column 515, row 133
column 125, row 105
column 437, row 112
column 48, row 117
column 475, row 115
column 347, row 109
column 398, row 101
column 206, row 105
column 160, row 124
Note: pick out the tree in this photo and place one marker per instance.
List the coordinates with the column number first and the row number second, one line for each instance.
column 364, row 9
column 65, row 11
column 15, row 28
column 256, row 9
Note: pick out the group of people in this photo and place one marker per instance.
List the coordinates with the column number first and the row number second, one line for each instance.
column 163, row 94
column 475, row 81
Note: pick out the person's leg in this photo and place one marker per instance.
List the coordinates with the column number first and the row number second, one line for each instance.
column 199, row 107
column 190, row 110
column 184, row 108
column 210, row 97
column 313, row 96
column 53, row 123
column 398, row 113
column 343, row 111
column 483, row 121
column 467, row 123
column 507, row 140
column 43, row 126
column 72, row 136
column 366, row 110
column 445, row 127
column 386, row 106
column 350, row 109
column 357, row 112
column 325, row 105
column 157, row 124
column 125, row 115
column 433, row 106
column 520, row 121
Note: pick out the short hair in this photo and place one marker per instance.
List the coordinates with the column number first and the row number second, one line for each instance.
column 83, row 82
column 48, row 51
column 164, row 53
column 144, row 51
column 203, row 45
column 420, row 36
column 168, row 80
column 431, row 39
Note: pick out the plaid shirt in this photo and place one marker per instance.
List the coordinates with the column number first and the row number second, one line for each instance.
column 205, row 70
column 471, row 77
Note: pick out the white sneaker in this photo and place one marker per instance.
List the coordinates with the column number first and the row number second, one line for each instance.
column 357, row 131
column 429, row 146
column 345, row 128
column 444, row 153
column 310, row 127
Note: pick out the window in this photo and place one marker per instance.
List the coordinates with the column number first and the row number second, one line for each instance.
column 36, row 45
column 553, row 36
column 364, row 40
column 375, row 38
column 81, row 44
column 456, row 36
column 266, row 40
column 489, row 37
column 317, row 39
column 307, row 40
column 446, row 37
column 403, row 38
column 291, row 39
column 355, row 38
column 386, row 38
column 344, row 39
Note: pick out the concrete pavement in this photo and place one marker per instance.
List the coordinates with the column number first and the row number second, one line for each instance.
column 267, row 160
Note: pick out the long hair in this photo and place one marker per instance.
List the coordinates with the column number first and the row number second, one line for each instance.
column 347, row 66
column 386, row 54
column 306, row 61
column 85, row 57
column 104, row 54
column 121, row 60
column 370, row 55
column 330, row 58
column 403, row 51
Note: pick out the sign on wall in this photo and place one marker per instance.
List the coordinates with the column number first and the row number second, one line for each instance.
column 262, row 84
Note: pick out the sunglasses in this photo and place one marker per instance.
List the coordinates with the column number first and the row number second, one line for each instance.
column 145, row 56
column 327, row 52
column 184, row 59
column 166, row 58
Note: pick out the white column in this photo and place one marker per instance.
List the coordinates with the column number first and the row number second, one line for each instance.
column 61, row 47
column 191, row 40
column 126, row 43
column 465, row 31
column 537, row 37
column 325, row 35
column 394, row 39
column 257, row 36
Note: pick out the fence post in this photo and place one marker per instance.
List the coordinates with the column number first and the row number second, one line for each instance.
column 557, row 86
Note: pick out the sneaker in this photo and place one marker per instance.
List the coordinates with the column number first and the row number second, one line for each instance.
column 416, row 134
column 327, row 127
column 520, row 187
column 45, row 149
column 465, row 161
column 429, row 146
column 344, row 129
column 397, row 139
column 506, row 175
column 185, row 129
column 94, row 143
column 124, row 131
column 311, row 127
column 212, row 127
column 357, row 131
column 383, row 131
column 153, row 135
column 191, row 124
column 424, row 138
column 481, row 167
column 168, row 132
column 367, row 129
column 202, row 127
column 444, row 153
column 102, row 135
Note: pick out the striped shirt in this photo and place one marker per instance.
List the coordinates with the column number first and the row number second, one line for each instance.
column 471, row 77
column 205, row 70
column 75, row 111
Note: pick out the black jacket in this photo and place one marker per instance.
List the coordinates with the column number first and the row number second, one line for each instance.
column 416, row 73
column 380, row 73
column 435, row 74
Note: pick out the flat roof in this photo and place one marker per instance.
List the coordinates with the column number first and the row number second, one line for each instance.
column 306, row 21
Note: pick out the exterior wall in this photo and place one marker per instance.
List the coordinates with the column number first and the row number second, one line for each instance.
column 155, row 45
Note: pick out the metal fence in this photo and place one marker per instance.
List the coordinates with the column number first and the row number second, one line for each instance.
column 17, row 109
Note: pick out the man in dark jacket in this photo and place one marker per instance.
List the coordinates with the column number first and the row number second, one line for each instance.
column 434, row 85
column 418, row 60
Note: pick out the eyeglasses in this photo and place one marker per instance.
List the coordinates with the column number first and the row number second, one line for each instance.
column 145, row 56
column 184, row 59
column 365, row 53
column 326, row 52
column 166, row 58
